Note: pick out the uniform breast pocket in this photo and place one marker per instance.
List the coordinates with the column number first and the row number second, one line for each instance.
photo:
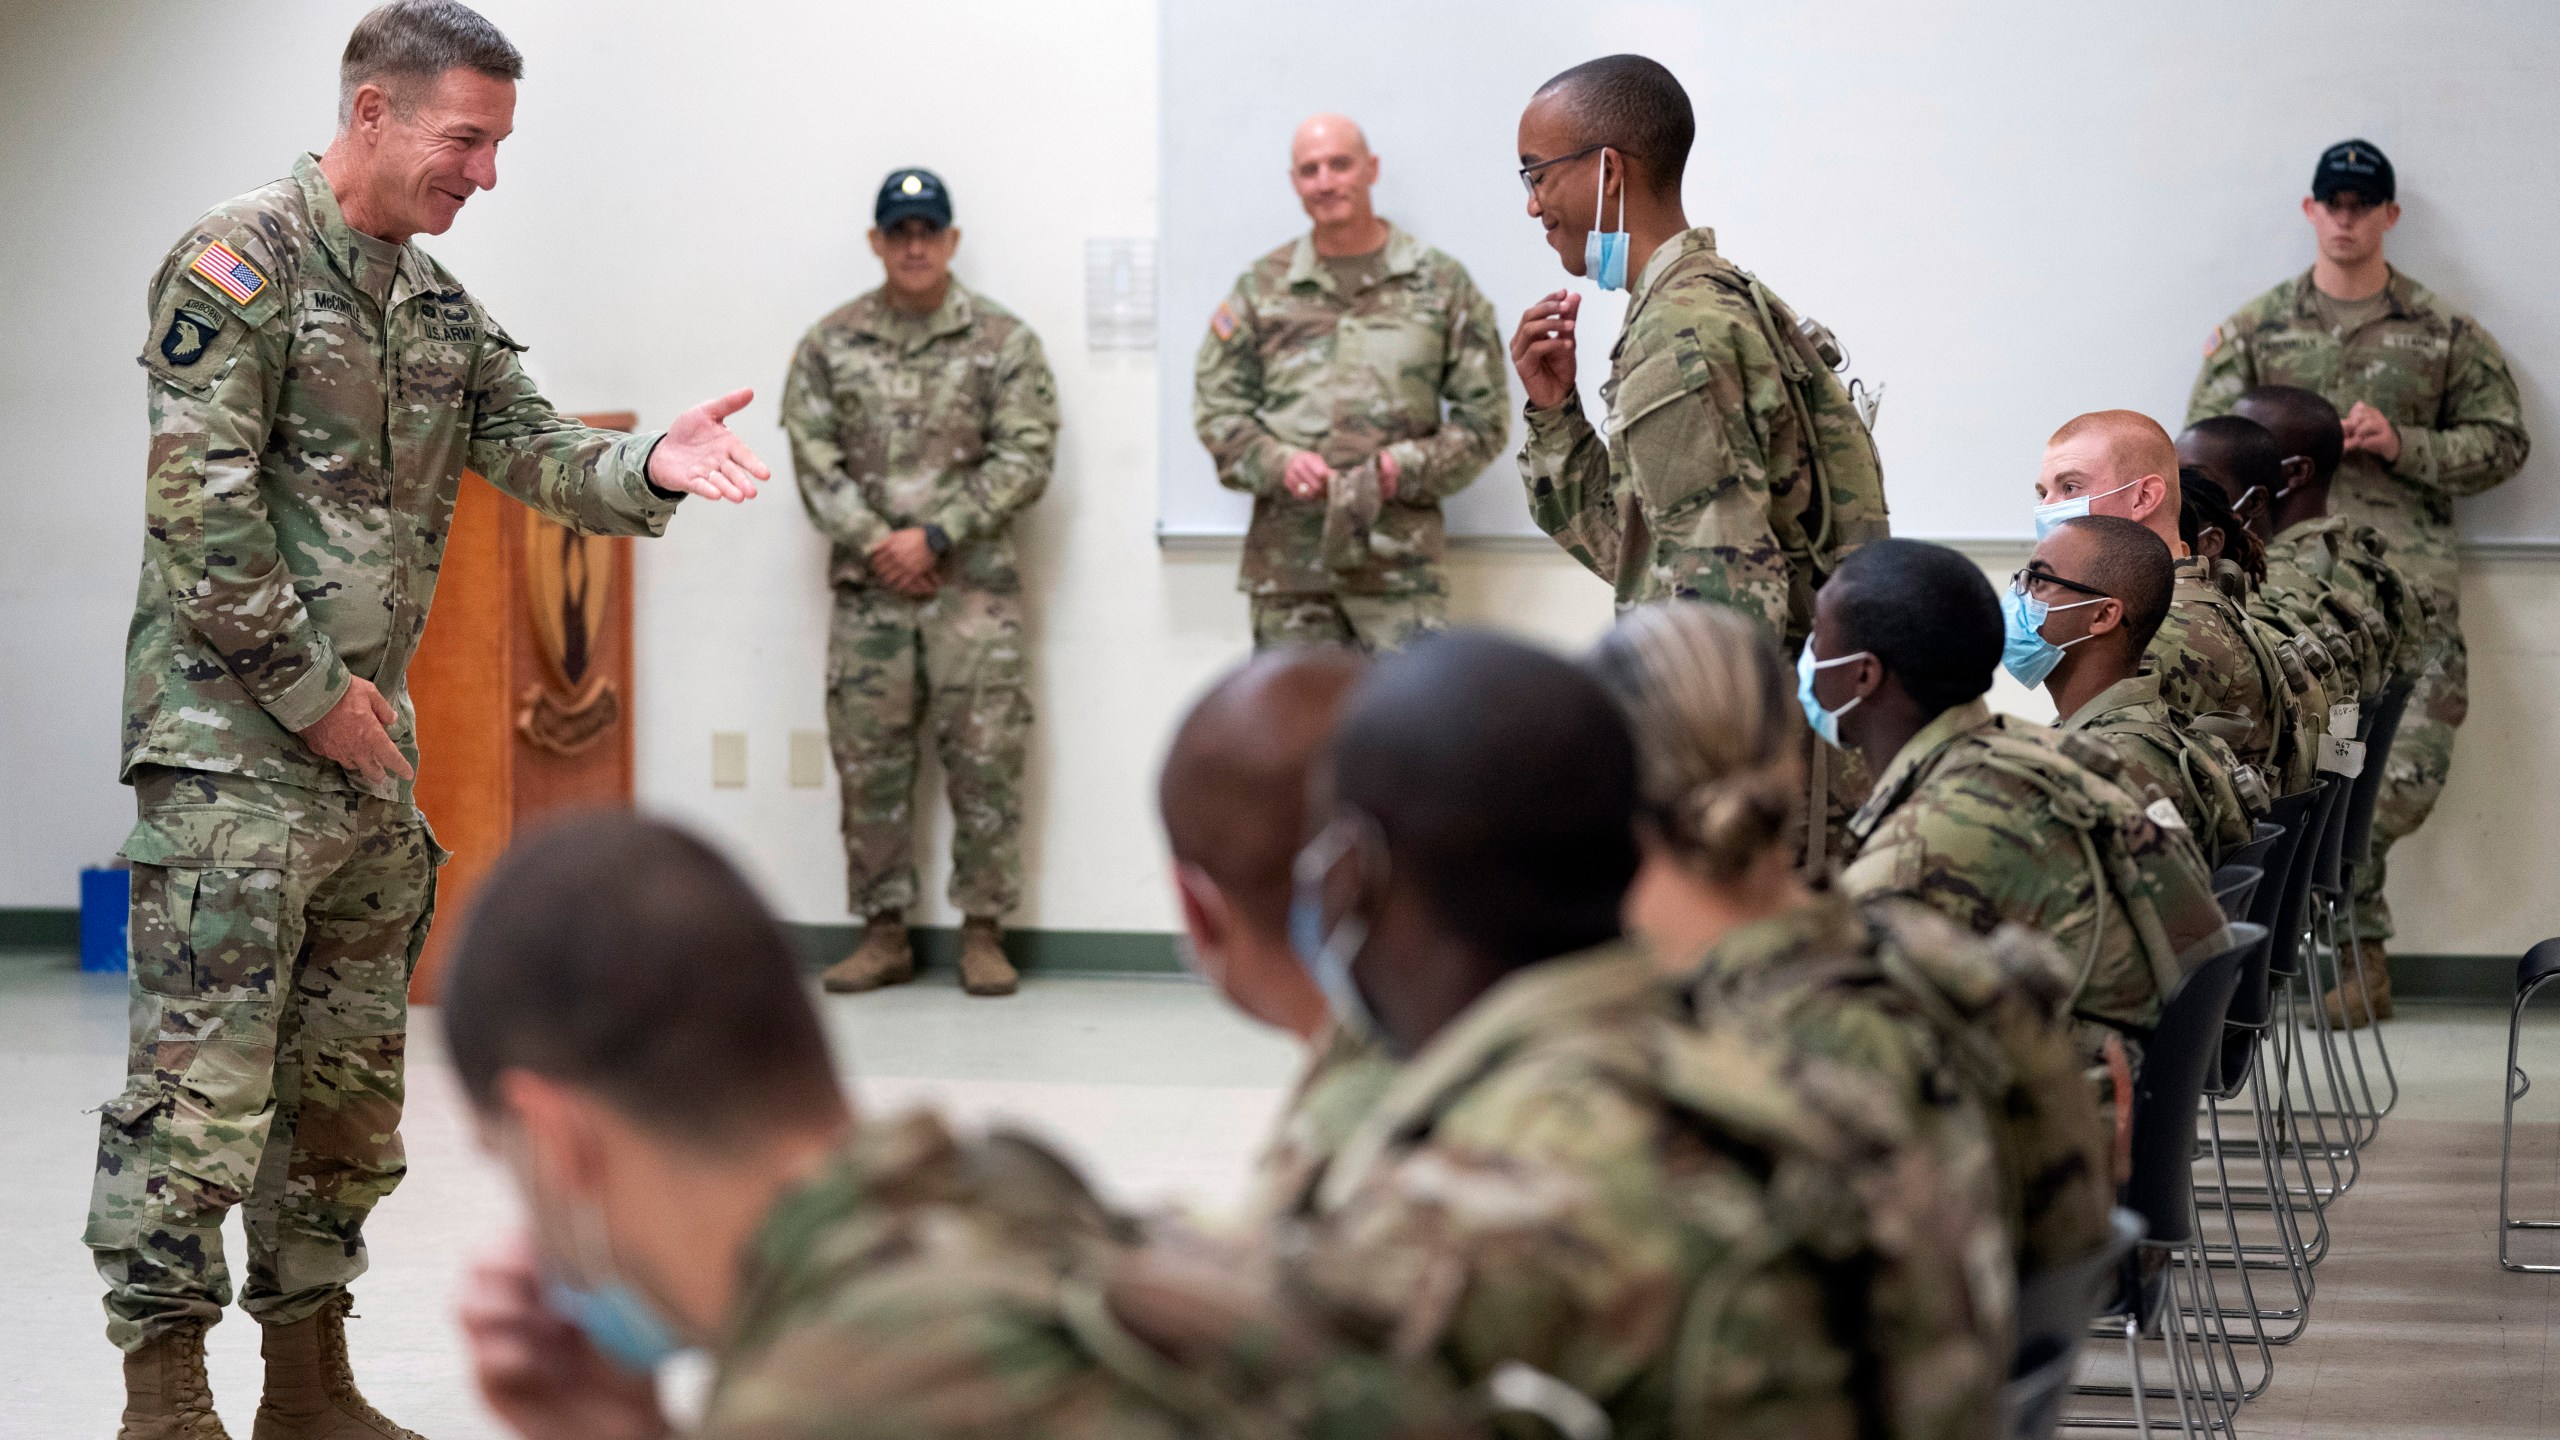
column 208, row 918
column 1406, row 360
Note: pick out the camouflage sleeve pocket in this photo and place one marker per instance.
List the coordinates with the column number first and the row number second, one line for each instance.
column 193, row 339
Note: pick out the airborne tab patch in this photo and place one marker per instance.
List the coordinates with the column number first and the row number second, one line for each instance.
column 233, row 276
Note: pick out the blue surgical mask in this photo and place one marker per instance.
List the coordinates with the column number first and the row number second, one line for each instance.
column 1826, row 723
column 1328, row 956
column 1604, row 252
column 2049, row 517
column 622, row 1326
column 2024, row 652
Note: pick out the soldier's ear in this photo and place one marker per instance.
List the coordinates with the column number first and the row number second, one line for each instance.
column 954, row 233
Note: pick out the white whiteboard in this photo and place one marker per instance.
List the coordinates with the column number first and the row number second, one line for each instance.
column 2010, row 211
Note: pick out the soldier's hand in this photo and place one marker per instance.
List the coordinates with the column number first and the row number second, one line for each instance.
column 2370, row 431
column 1542, row 349
column 906, row 562
column 357, row 734
column 701, row 456
column 1387, row 472
column 538, row 1372
column 1307, row 476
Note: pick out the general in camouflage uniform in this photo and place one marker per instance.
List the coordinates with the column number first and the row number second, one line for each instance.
column 1575, row 1177
column 1704, row 483
column 2189, row 767
column 1352, row 358
column 1972, row 1035
column 1980, row 817
column 2442, row 384
column 315, row 394
column 923, row 1285
column 944, row 421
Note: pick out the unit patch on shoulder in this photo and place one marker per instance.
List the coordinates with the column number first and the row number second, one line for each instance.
column 2213, row 342
column 1223, row 323
column 191, row 328
column 227, row 272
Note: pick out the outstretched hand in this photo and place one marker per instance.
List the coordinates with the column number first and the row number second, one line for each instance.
column 700, row 455
column 1542, row 349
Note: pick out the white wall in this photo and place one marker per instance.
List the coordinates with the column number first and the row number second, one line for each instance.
column 685, row 195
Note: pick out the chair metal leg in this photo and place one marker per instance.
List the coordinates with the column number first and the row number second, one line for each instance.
column 2333, row 920
column 2373, row 1022
column 2517, row 1084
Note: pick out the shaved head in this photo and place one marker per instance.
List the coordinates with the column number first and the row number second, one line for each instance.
column 2303, row 423
column 1234, row 788
column 1326, row 133
column 2122, row 463
column 2133, row 443
column 1633, row 105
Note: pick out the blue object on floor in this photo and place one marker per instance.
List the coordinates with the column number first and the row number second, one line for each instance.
column 105, row 898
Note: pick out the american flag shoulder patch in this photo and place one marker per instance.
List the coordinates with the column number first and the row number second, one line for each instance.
column 222, row 266
column 1223, row 322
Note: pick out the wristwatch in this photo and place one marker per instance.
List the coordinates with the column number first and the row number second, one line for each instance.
column 936, row 539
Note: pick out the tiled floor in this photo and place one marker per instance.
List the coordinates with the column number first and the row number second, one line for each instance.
column 1164, row 1094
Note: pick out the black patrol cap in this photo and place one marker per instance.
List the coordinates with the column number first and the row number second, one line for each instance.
column 912, row 193
column 2353, row 165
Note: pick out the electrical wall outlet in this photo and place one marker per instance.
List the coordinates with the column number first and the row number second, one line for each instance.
column 728, row 759
column 808, row 759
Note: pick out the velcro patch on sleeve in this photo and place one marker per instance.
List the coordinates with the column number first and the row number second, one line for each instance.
column 222, row 267
column 1223, row 323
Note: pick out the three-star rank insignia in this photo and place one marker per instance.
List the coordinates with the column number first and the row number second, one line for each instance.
column 191, row 329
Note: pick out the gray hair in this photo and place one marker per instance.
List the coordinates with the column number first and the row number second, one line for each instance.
column 405, row 45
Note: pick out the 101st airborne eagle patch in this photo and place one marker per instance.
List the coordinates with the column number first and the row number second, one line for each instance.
column 1223, row 323
column 191, row 329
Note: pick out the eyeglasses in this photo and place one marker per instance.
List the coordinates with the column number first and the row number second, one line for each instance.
column 2025, row 581
column 1529, row 173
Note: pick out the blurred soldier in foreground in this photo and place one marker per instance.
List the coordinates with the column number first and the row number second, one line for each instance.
column 1234, row 800
column 628, row 1022
column 1350, row 383
column 2431, row 414
column 317, row 385
column 923, row 419
column 1702, row 1228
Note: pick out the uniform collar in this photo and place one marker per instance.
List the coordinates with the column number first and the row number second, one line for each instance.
column 2130, row 693
column 885, row 321
column 2402, row 290
column 388, row 273
column 1404, row 256
column 1697, row 239
column 1763, row 946
column 1549, row 995
column 1951, row 725
column 899, row 1153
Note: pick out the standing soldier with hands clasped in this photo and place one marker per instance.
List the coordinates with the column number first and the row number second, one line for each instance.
column 317, row 385
column 1321, row 389
column 2430, row 414
column 923, row 419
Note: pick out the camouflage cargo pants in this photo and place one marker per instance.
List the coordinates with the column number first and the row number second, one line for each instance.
column 1373, row 623
column 952, row 665
column 273, row 934
column 2421, row 756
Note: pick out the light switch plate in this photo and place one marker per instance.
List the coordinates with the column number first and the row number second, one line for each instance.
column 808, row 759
column 728, row 759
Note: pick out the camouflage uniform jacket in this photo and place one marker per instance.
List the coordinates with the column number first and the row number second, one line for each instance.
column 2431, row 370
column 1344, row 1077
column 2336, row 569
column 1991, row 821
column 315, row 396
column 1706, row 1233
column 922, row 1288
column 2211, row 663
column 898, row 421
column 1703, row 485
column 1291, row 363
column 2164, row 759
column 1974, row 1035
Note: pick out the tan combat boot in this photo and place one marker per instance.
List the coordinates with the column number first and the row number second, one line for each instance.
column 983, row 968
column 166, row 1394
column 2349, row 1002
column 883, row 958
column 311, row 1389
